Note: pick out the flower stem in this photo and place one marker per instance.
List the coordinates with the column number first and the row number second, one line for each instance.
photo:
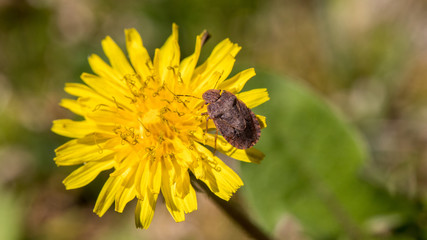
column 233, row 209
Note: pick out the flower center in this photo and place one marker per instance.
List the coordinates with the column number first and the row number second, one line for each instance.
column 153, row 122
column 162, row 116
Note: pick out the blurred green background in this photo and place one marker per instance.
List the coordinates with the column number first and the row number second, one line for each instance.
column 346, row 138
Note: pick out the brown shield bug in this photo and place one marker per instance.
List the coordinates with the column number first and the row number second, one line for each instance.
column 234, row 120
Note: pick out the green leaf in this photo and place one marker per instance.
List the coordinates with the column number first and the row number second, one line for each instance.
column 312, row 166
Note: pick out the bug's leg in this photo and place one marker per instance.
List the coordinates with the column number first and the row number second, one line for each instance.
column 201, row 106
column 207, row 121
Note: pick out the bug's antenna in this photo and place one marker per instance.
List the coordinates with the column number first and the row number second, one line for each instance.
column 180, row 95
column 216, row 84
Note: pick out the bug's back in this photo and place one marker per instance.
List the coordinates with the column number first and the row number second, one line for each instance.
column 235, row 121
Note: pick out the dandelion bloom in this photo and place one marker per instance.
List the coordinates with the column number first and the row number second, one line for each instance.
column 143, row 120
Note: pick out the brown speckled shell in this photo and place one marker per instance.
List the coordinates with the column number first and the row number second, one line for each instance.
column 234, row 120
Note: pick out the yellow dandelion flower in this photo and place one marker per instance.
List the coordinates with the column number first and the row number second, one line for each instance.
column 137, row 122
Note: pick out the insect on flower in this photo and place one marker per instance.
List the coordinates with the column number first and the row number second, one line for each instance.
column 136, row 125
column 234, row 120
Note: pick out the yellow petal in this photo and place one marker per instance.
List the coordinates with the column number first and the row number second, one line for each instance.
column 73, row 129
column 117, row 59
column 208, row 82
column 89, row 100
column 223, row 146
column 189, row 203
column 221, row 60
column 238, row 81
column 104, row 70
column 142, row 176
column 112, row 114
column 254, row 97
column 107, row 195
column 124, row 196
column 145, row 210
column 220, row 179
column 172, row 201
column 126, row 159
column 72, row 105
column 80, row 129
column 262, row 121
column 188, row 64
column 177, row 203
column 167, row 58
column 183, row 155
column 221, row 50
column 156, row 65
column 79, row 151
column 126, row 191
column 102, row 86
column 181, row 180
column 138, row 55
column 246, row 155
column 115, row 95
column 85, row 174
column 81, row 90
column 156, row 177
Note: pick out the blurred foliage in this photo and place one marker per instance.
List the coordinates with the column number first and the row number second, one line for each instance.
column 314, row 163
column 346, row 142
column 11, row 216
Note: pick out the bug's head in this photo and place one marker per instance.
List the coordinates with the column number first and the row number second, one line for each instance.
column 211, row 95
